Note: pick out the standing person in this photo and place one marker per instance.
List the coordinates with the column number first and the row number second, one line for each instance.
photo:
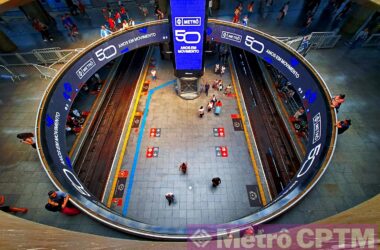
column 111, row 24
column 201, row 111
column 74, row 10
column 307, row 25
column 216, row 181
column 245, row 20
column 361, row 38
column 105, row 13
column 337, row 101
column 210, row 105
column 220, row 85
column 213, row 99
column 169, row 197
column 82, row 9
column 154, row 74
column 218, row 107
column 250, row 8
column 216, row 69
column 210, row 8
column 104, row 32
column 283, row 11
column 27, row 138
column 131, row 22
column 118, row 19
column 343, row 126
column 222, row 71
column 125, row 25
column 123, row 12
column 207, row 87
column 42, row 28
column 183, row 167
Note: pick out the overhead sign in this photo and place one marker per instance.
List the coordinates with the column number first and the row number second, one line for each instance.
column 188, row 26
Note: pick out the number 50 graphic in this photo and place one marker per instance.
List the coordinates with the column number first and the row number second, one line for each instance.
column 182, row 36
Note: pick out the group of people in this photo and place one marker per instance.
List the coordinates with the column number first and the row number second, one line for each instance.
column 336, row 102
column 213, row 104
column 116, row 19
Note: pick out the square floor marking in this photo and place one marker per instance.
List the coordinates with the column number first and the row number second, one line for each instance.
column 152, row 152
column 219, row 132
column 155, row 132
column 221, row 151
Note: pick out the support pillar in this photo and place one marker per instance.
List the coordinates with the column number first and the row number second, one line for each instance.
column 6, row 44
column 34, row 9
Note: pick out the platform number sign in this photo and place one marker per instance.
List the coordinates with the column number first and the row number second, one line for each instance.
column 188, row 24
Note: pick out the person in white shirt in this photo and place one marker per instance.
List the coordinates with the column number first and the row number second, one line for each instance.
column 210, row 8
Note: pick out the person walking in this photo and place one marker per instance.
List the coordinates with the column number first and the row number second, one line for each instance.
column 213, row 99
column 250, row 8
column 43, row 29
column 201, row 111
column 104, row 32
column 283, row 11
column 153, row 72
column 343, row 126
column 169, row 197
column 183, row 167
column 222, row 70
column 216, row 181
column 207, row 87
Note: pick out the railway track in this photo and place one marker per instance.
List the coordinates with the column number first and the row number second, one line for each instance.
column 272, row 138
column 95, row 159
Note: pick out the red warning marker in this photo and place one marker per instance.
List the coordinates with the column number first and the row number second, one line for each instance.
column 221, row 132
column 149, row 153
column 224, row 151
column 235, row 116
column 117, row 201
column 123, row 174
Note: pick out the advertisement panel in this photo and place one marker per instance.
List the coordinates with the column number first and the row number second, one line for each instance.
column 188, row 25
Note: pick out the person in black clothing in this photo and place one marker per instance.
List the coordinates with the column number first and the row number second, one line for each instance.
column 216, row 181
column 207, row 87
column 343, row 126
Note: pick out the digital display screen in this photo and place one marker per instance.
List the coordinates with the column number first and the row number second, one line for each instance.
column 188, row 24
column 60, row 96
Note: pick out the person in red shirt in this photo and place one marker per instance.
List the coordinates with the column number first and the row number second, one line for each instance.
column 219, row 103
column 111, row 24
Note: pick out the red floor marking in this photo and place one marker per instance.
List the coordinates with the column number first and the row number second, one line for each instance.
column 221, row 132
column 149, row 152
column 117, row 201
column 123, row 174
column 231, row 95
column 152, row 132
column 234, row 116
column 224, row 150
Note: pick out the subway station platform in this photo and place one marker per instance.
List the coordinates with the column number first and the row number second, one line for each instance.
column 350, row 179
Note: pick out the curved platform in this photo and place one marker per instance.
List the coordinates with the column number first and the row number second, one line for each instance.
column 58, row 98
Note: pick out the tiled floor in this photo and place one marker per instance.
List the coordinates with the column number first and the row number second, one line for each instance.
column 351, row 178
column 187, row 138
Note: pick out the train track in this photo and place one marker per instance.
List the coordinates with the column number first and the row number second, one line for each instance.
column 277, row 154
column 95, row 159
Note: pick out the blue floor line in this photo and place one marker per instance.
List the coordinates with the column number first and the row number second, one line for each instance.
column 138, row 145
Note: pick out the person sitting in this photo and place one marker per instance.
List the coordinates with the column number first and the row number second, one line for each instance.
column 27, row 138
column 228, row 89
column 343, row 126
column 9, row 209
column 59, row 201
column 215, row 84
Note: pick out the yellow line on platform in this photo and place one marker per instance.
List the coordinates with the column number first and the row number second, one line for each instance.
column 255, row 168
column 125, row 142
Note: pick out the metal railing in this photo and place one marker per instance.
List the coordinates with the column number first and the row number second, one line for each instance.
column 41, row 60
column 372, row 41
column 319, row 40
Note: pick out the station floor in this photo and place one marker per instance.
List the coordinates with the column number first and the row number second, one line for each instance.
column 352, row 176
column 185, row 137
